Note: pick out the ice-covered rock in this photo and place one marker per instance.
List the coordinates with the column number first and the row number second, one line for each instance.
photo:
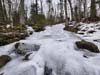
column 23, row 48
column 29, row 30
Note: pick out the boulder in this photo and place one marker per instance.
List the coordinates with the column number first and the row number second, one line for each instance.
column 27, row 56
column 87, row 45
column 91, row 31
column 4, row 59
column 24, row 48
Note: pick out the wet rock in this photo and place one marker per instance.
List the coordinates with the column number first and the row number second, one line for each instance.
column 31, row 32
column 27, row 56
column 87, row 45
column 92, row 31
column 97, row 40
column 4, row 59
column 17, row 44
column 81, row 33
column 83, row 30
column 2, row 74
column 85, row 56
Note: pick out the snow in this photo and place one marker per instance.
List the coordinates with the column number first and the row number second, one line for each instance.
column 57, row 50
column 29, row 29
column 90, row 27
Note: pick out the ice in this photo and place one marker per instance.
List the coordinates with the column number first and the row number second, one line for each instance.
column 57, row 51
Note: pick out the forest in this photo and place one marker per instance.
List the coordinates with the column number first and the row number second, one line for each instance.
column 15, row 14
column 49, row 37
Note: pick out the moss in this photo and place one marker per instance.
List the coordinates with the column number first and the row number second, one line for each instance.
column 71, row 29
column 87, row 45
column 4, row 59
column 10, row 35
column 38, row 27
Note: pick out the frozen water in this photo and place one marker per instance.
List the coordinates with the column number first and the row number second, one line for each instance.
column 57, row 50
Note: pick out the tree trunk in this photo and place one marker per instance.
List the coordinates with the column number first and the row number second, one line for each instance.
column 22, row 12
column 4, row 12
column 9, row 11
column 99, row 4
column 66, row 16
column 1, row 12
column 72, row 15
column 36, row 6
column 41, row 2
column 79, row 11
column 61, row 10
column 76, row 14
column 93, row 10
column 85, row 7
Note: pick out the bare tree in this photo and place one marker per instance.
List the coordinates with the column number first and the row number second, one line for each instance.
column 41, row 2
column 85, row 7
column 9, row 10
column 93, row 11
column 36, row 1
column 50, row 12
column 4, row 11
column 22, row 12
column 1, row 13
column 66, row 16
column 61, row 10
column 71, row 8
column 15, row 12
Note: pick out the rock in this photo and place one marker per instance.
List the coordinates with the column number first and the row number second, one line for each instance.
column 27, row 56
column 7, row 38
column 87, row 45
column 24, row 48
column 83, row 30
column 47, row 70
column 97, row 40
column 17, row 44
column 81, row 33
column 2, row 74
column 4, row 59
column 85, row 56
column 92, row 31
column 31, row 32
column 23, row 36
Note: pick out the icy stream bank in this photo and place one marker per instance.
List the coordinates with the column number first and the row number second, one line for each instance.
column 57, row 51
